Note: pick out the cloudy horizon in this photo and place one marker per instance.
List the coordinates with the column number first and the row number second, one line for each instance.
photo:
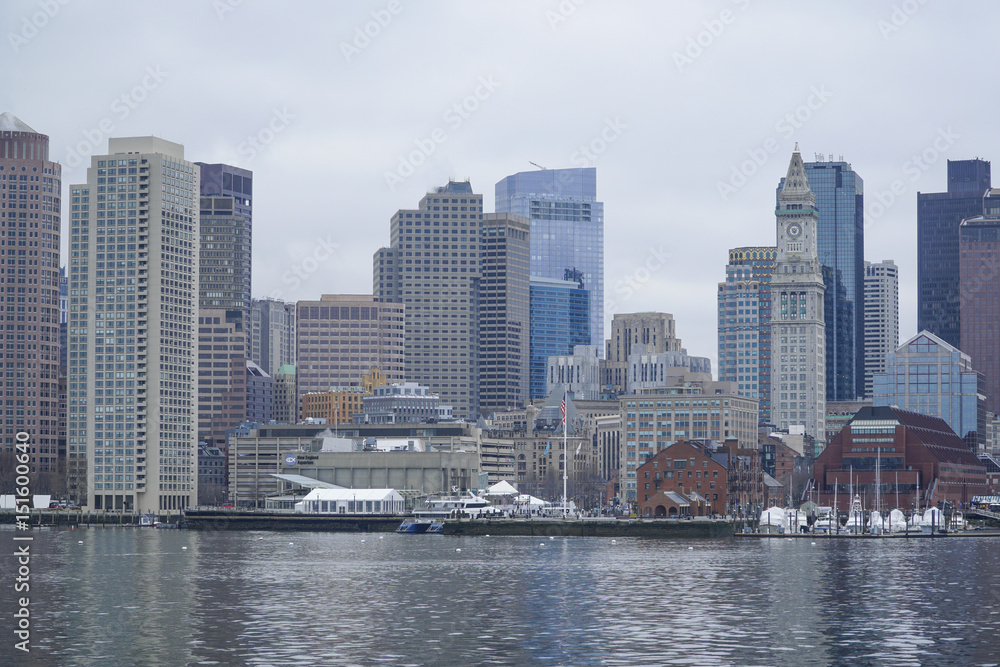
column 690, row 111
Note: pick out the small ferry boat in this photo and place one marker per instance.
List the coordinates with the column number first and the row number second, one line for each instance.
column 417, row 526
column 468, row 506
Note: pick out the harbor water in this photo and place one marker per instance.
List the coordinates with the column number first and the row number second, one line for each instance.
column 130, row 596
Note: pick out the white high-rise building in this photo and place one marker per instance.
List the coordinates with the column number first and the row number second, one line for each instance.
column 881, row 317
column 133, row 307
column 798, row 332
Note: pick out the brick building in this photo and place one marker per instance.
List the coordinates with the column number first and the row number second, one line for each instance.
column 687, row 470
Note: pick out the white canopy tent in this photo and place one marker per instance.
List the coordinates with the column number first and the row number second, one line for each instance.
column 503, row 488
column 531, row 501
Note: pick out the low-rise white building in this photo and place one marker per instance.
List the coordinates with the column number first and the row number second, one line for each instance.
column 351, row 501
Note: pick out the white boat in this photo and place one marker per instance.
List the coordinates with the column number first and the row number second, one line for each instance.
column 856, row 519
column 897, row 521
column 825, row 521
column 772, row 521
column 455, row 507
column 932, row 521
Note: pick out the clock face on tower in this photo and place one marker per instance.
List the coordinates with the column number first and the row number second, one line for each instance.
column 794, row 230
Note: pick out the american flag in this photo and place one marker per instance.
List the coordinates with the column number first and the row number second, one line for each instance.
column 563, row 409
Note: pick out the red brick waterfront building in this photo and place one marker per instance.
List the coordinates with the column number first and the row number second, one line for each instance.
column 920, row 461
column 683, row 473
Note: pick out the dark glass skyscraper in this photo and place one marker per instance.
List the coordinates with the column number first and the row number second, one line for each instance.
column 567, row 228
column 839, row 193
column 979, row 243
column 939, row 215
column 560, row 319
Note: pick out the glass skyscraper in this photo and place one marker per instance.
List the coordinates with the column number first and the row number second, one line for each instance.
column 839, row 193
column 939, row 215
column 927, row 375
column 560, row 320
column 567, row 228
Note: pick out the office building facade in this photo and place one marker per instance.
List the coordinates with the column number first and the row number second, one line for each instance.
column 929, row 376
column 30, row 209
column 560, row 321
column 939, row 215
column 567, row 228
column 979, row 296
column 504, row 302
column 798, row 328
column 272, row 333
column 341, row 337
column 881, row 317
column 135, row 221
column 432, row 267
column 745, row 324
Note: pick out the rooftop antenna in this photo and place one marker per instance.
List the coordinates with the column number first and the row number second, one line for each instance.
column 536, row 164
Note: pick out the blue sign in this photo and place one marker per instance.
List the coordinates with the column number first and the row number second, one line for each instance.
column 290, row 460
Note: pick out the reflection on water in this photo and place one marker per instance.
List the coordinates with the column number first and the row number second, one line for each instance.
column 136, row 596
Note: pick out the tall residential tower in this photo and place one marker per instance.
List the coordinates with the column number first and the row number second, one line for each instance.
column 133, row 310
column 30, row 196
column 881, row 318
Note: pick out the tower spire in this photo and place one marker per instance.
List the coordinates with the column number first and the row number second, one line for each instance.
column 796, row 187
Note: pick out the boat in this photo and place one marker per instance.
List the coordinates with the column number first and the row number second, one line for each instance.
column 417, row 526
column 455, row 507
column 147, row 520
column 824, row 520
column 856, row 517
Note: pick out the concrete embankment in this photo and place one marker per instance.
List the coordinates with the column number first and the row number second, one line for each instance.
column 656, row 528
column 250, row 520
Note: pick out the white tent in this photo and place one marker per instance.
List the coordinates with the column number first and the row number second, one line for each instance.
column 531, row 501
column 503, row 488
column 351, row 501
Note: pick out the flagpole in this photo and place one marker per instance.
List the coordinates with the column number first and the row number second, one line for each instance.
column 565, row 457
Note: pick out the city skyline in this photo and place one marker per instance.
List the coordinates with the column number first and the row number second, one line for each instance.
column 658, row 182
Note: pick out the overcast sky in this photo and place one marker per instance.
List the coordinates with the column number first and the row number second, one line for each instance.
column 346, row 112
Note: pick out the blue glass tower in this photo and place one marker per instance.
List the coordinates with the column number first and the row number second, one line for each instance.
column 840, row 200
column 560, row 318
column 567, row 229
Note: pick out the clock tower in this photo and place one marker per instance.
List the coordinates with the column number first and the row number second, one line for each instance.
column 798, row 331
